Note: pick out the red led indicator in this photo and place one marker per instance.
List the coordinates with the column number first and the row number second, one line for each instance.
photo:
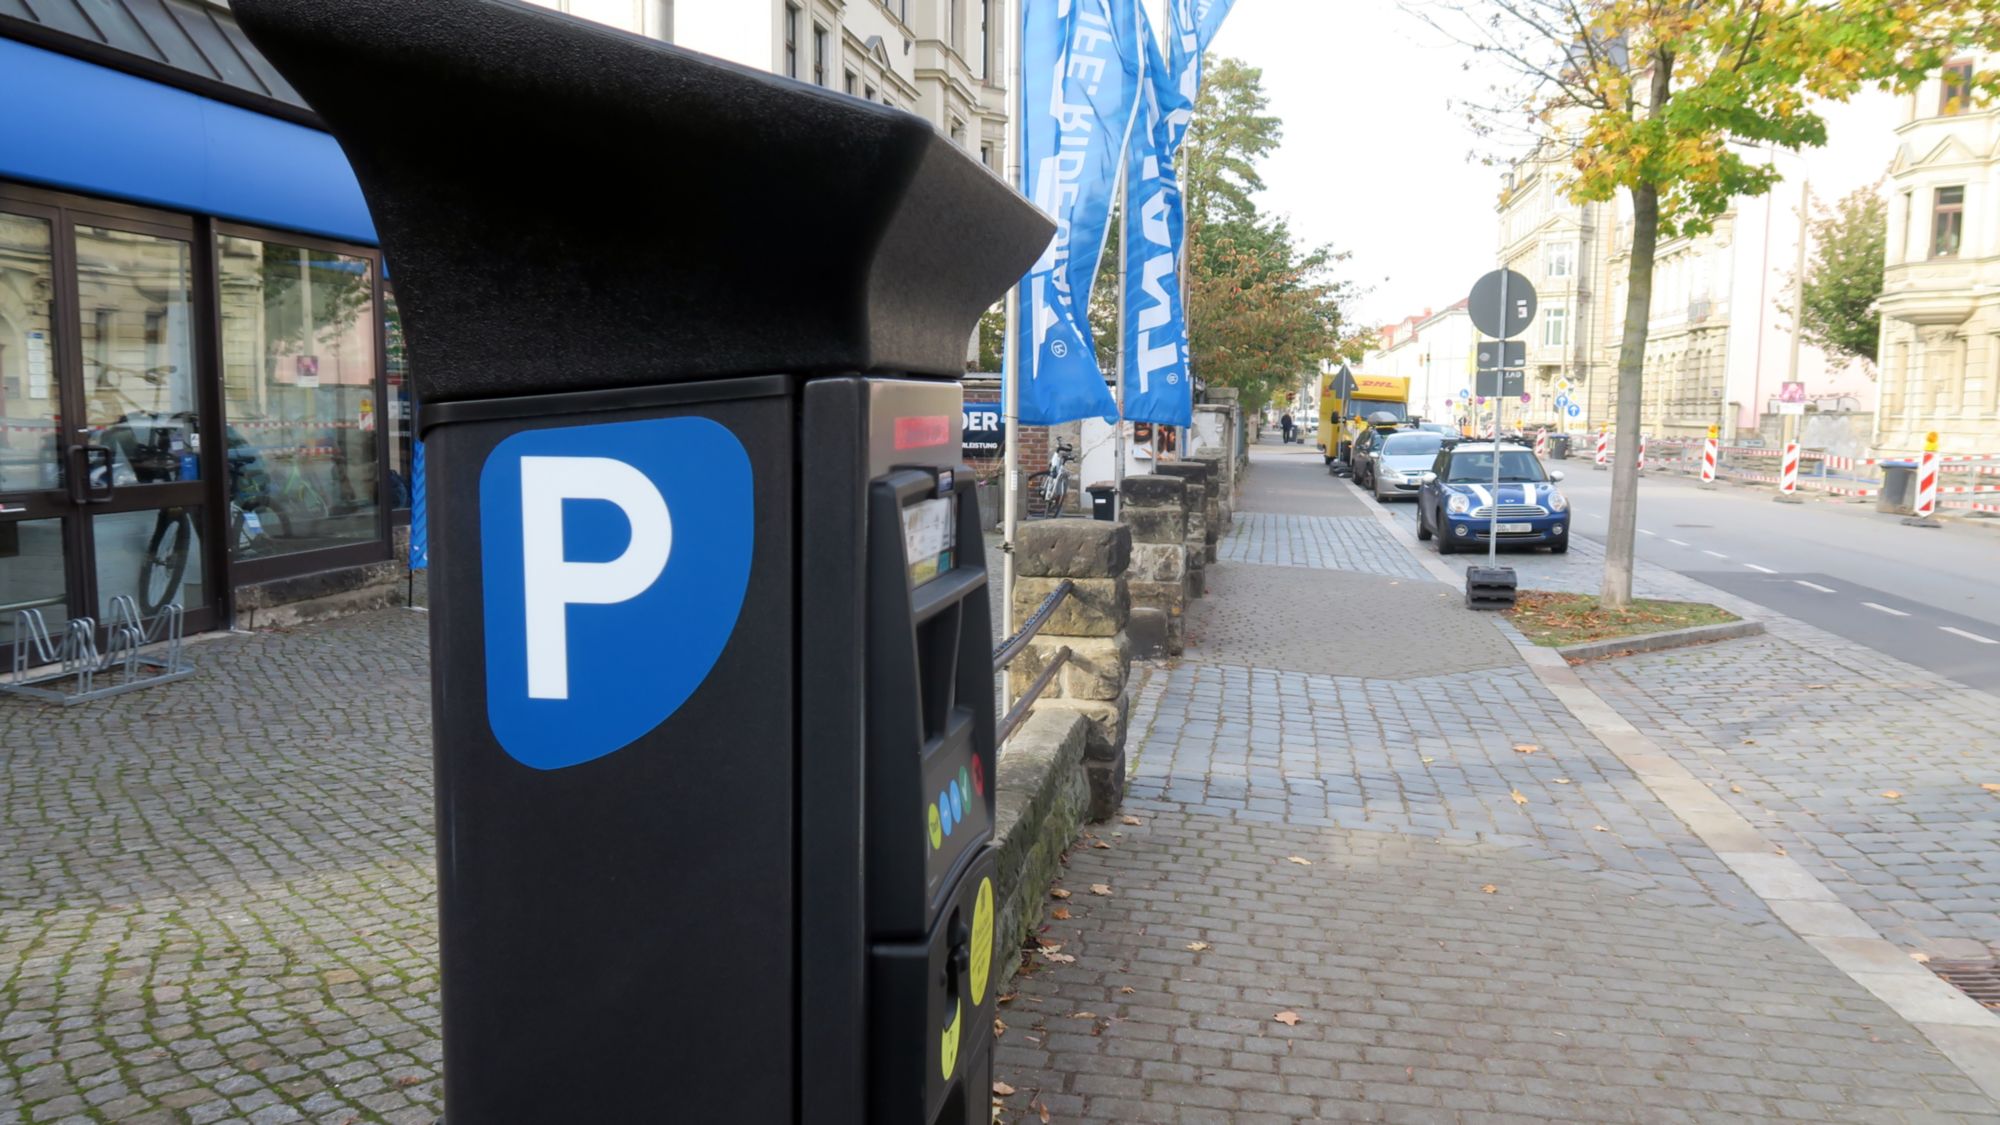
column 923, row 433
column 978, row 775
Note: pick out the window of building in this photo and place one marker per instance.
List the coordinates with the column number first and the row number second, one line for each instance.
column 1947, row 222
column 791, row 41
column 819, row 55
column 958, row 132
column 298, row 390
column 986, row 155
column 870, row 93
column 853, row 83
column 986, row 39
column 1555, row 327
column 1955, row 91
column 1561, row 259
column 951, row 25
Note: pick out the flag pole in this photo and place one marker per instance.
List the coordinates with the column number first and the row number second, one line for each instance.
column 1010, row 359
column 1123, row 195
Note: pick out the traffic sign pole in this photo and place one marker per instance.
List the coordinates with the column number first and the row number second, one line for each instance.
column 1499, row 401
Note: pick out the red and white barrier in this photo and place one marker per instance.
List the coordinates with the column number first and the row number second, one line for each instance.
column 1603, row 448
column 1642, row 453
column 1788, row 472
column 1708, row 458
column 1542, row 443
column 1927, row 480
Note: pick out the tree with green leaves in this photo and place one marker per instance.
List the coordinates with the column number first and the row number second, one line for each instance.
column 1843, row 279
column 1670, row 102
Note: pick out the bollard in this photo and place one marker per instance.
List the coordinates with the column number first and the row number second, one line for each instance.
column 1542, row 443
column 1788, row 476
column 1927, row 486
column 1642, row 453
column 710, row 633
column 1604, row 448
column 1708, row 459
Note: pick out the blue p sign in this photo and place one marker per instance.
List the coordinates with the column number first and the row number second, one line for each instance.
column 615, row 557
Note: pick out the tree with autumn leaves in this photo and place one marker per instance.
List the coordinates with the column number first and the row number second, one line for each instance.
column 1670, row 102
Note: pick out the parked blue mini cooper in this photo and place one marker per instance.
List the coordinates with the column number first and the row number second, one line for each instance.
column 1456, row 504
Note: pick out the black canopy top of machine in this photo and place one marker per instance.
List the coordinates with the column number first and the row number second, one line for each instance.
column 564, row 206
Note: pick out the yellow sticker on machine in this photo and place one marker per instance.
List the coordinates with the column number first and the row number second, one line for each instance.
column 982, row 941
column 948, row 1045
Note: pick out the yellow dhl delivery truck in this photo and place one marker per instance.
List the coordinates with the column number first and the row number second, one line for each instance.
column 1348, row 400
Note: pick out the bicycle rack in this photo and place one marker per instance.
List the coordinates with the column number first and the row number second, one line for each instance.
column 83, row 671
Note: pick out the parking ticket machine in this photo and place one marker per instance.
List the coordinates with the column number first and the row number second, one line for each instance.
column 711, row 637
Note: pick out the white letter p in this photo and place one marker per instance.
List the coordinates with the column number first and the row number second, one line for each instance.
column 551, row 583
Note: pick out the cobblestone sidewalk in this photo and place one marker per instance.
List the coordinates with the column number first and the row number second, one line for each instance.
column 216, row 896
column 1474, row 909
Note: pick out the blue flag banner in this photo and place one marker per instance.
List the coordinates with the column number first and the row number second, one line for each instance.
column 1208, row 17
column 1157, row 387
column 420, row 516
column 1080, row 77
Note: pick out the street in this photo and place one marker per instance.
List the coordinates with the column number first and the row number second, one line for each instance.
column 1926, row 596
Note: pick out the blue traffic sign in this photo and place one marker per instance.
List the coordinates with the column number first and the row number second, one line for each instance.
column 593, row 538
column 1575, row 410
column 1562, row 401
column 1464, row 394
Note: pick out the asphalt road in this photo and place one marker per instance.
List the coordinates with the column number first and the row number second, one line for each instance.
column 1927, row 596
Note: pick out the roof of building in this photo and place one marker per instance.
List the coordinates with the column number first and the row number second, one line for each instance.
column 194, row 45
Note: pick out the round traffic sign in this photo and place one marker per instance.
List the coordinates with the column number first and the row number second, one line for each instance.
column 1464, row 394
column 1481, row 400
column 1527, row 398
column 1575, row 410
column 1487, row 311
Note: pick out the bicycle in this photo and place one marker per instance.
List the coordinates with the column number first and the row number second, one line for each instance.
column 1054, row 481
column 163, row 565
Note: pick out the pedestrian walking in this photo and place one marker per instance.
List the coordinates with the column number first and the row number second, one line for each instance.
column 1287, row 425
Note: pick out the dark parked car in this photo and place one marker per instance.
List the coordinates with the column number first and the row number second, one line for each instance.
column 1457, row 505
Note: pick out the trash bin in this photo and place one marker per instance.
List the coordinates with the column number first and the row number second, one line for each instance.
column 1103, row 500
column 1559, row 446
column 1899, row 488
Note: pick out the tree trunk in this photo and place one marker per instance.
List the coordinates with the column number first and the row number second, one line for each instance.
column 1619, row 543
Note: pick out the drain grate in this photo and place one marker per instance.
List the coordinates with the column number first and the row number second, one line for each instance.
column 1977, row 979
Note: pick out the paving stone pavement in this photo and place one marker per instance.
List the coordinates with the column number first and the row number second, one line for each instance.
column 1806, row 741
column 1323, row 620
column 1423, row 997
column 216, row 896
column 1352, row 543
column 1614, row 975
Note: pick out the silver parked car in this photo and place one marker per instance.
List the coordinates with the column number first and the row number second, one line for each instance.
column 1403, row 463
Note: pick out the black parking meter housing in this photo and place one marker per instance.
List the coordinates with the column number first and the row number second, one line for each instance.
column 710, row 628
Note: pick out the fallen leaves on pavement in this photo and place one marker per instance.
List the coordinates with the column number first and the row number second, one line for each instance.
column 1004, row 1090
column 1300, row 860
column 1599, row 828
column 1060, row 913
column 1130, row 820
column 1921, row 958
column 1197, row 947
column 1525, row 748
column 1288, row 1018
column 1516, row 794
column 1891, row 794
column 1058, row 892
column 1099, row 844
column 1490, row 889
column 1101, row 889
column 1562, row 781
column 1990, row 786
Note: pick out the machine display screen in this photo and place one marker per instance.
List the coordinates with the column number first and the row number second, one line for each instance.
column 929, row 536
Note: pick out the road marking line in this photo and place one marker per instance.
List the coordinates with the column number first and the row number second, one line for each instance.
column 1643, row 531
column 1969, row 636
column 1717, row 554
column 1885, row 609
column 1760, row 569
column 1816, row 586
column 1677, row 542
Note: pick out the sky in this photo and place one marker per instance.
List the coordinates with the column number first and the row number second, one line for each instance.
column 1374, row 159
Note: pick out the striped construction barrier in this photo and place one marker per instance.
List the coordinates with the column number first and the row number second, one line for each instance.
column 1927, row 480
column 1642, row 453
column 1788, row 470
column 1542, row 443
column 1603, row 448
column 1708, row 458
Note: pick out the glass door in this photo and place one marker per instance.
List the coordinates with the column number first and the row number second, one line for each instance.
column 101, row 468
column 141, row 437
column 36, row 519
